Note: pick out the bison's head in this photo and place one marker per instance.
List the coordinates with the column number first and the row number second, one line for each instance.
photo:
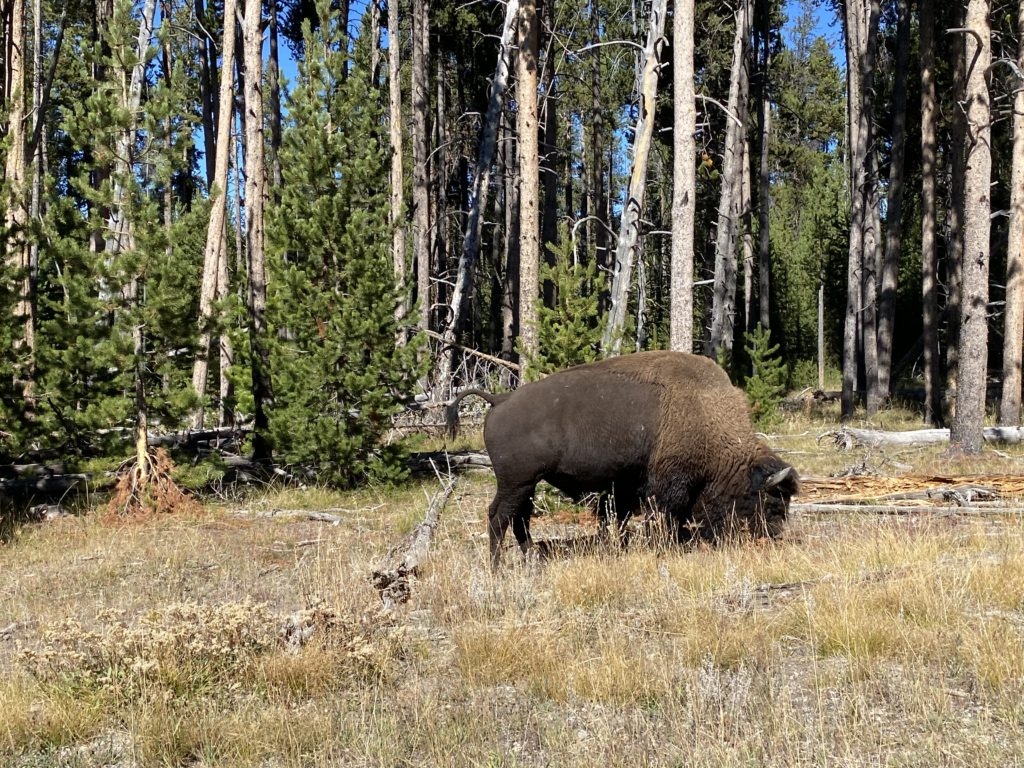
column 751, row 501
column 772, row 484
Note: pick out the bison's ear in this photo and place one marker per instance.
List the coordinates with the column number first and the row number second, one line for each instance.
column 778, row 479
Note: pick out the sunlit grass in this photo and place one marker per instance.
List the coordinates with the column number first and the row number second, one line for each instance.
column 854, row 640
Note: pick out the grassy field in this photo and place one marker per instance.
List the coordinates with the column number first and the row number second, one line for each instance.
column 856, row 640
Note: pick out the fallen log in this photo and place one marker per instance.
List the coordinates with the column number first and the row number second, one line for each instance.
column 392, row 578
column 51, row 486
column 847, row 438
column 432, row 461
column 945, row 510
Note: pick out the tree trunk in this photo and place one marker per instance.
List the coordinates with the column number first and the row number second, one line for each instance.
column 481, row 187
column 141, row 412
column 954, row 225
column 764, row 119
column 684, row 182
column 397, row 169
column 274, row 103
column 723, row 310
column 438, row 170
column 226, row 346
column 6, row 49
column 549, row 153
column 529, row 181
column 929, row 217
column 215, row 233
column 1013, row 325
column 746, row 235
column 872, row 257
column 131, row 97
column 420, row 156
column 597, row 199
column 207, row 88
column 629, row 223
column 894, row 206
column 16, row 205
column 255, row 197
column 966, row 429
column 375, row 41
column 861, row 27
column 34, row 156
column 510, row 304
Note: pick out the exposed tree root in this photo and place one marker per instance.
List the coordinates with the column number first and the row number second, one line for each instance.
column 147, row 488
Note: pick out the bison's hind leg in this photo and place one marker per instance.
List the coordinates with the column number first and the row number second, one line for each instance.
column 510, row 506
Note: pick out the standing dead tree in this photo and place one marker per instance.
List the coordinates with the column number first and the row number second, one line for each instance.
column 629, row 224
column 216, row 243
column 723, row 312
column 481, row 185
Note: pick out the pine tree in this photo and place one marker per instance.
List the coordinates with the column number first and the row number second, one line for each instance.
column 339, row 375
column 766, row 383
column 570, row 332
column 113, row 323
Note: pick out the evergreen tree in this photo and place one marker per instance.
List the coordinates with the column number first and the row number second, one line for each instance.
column 570, row 332
column 339, row 376
column 766, row 383
column 95, row 302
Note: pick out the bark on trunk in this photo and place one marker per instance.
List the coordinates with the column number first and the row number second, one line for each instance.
column 966, row 429
column 894, row 207
column 392, row 579
column 529, row 182
column 849, row 437
column 255, row 196
column 274, row 85
column 397, row 170
column 131, row 97
column 549, row 153
column 764, row 265
column 954, row 226
column 420, row 156
column 481, row 187
column 929, row 216
column 1013, row 324
column 596, row 194
column 510, row 303
column 723, row 310
column 16, row 203
column 629, row 224
column 684, row 182
column 215, row 233
column 861, row 28
column 207, row 89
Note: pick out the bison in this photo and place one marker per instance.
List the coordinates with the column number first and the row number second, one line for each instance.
column 664, row 427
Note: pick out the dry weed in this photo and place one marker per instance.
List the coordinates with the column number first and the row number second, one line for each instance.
column 854, row 641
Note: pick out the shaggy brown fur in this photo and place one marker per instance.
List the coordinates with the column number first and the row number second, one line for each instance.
column 660, row 426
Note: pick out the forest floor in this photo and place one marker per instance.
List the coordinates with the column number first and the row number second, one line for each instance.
column 248, row 633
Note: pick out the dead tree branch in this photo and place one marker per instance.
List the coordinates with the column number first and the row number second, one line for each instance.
column 847, row 438
column 392, row 578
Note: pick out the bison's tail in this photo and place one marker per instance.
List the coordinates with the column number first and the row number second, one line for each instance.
column 451, row 412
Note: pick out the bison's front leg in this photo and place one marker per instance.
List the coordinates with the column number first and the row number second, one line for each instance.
column 509, row 507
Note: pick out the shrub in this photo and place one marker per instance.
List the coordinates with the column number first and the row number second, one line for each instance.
column 766, row 383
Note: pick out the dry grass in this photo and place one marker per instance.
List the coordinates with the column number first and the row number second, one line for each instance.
column 854, row 641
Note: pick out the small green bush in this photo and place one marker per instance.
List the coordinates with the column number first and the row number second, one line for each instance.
column 570, row 332
column 767, row 382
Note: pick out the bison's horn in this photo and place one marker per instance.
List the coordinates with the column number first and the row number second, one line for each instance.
column 780, row 477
